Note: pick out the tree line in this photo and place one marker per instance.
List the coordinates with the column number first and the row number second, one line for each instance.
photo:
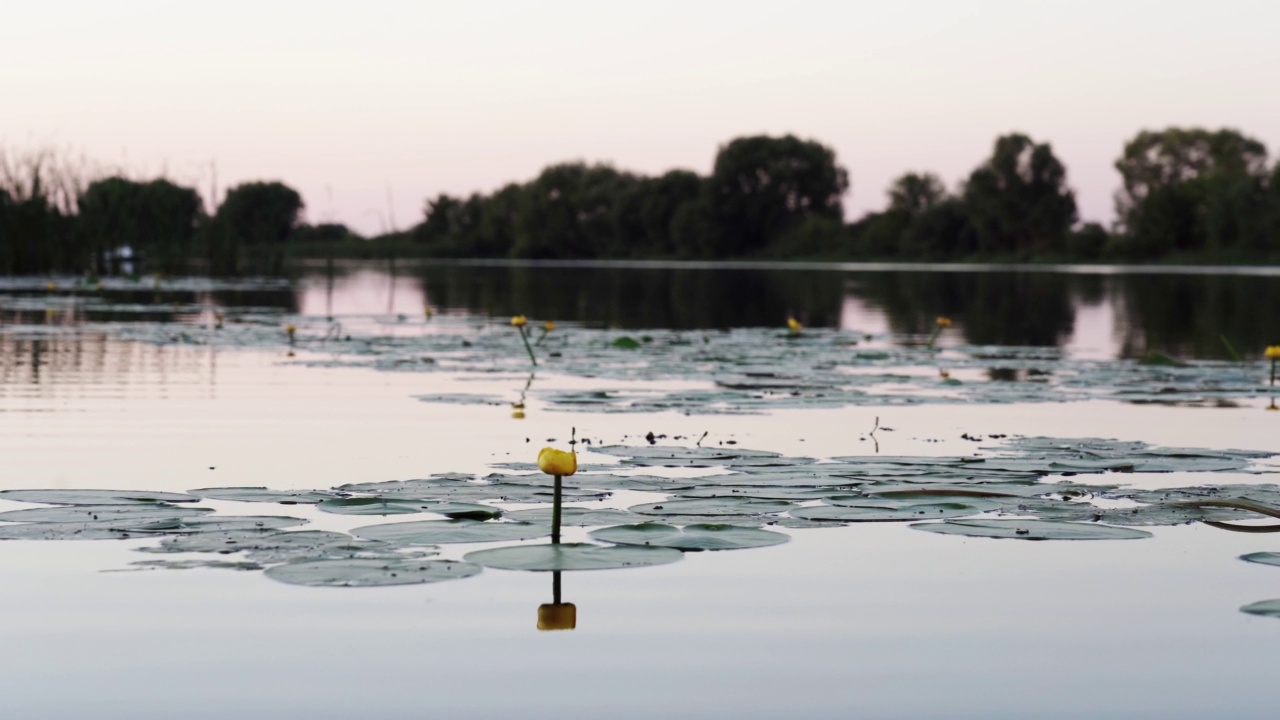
column 1185, row 193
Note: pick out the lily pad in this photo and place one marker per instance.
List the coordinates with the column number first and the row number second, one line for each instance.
column 871, row 511
column 575, row 516
column 384, row 506
column 66, row 531
column 572, row 556
column 714, row 506
column 701, row 536
column 1262, row 558
column 136, row 512
column 58, row 496
column 370, row 573
column 217, row 524
column 1032, row 530
column 1264, row 608
column 262, row 494
column 433, row 532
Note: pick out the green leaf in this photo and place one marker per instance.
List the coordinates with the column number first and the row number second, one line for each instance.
column 1032, row 530
column 370, row 573
column 872, row 511
column 433, row 532
column 1264, row 608
column 713, row 506
column 572, row 556
column 262, row 494
column 701, row 536
column 95, row 497
column 133, row 513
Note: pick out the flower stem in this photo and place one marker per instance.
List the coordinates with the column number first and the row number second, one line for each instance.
column 525, row 339
column 555, row 511
column 937, row 330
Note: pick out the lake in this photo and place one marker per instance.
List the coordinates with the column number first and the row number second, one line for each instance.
column 1072, row 397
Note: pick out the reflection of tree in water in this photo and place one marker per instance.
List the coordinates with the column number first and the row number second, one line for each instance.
column 1188, row 315
column 640, row 297
column 991, row 308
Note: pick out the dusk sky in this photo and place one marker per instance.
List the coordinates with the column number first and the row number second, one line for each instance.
column 368, row 108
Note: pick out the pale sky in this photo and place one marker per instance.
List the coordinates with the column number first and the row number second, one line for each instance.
column 352, row 102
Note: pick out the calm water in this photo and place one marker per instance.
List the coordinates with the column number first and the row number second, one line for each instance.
column 872, row 620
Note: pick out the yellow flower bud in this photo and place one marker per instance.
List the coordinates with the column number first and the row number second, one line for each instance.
column 557, row 462
column 548, row 326
column 943, row 321
column 291, row 329
column 51, row 286
column 519, row 320
column 1273, row 352
column 428, row 312
column 794, row 324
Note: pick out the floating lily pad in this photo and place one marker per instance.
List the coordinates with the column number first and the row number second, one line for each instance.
column 262, row 494
column 1032, row 530
column 572, row 556
column 66, row 531
column 574, row 516
column 871, row 511
column 136, row 512
column 1262, row 558
column 384, row 506
column 701, row 536
column 218, row 524
column 59, row 496
column 193, row 564
column 370, row 573
column 714, row 506
column 1265, row 608
column 433, row 532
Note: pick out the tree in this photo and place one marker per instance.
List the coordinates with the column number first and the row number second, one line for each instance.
column 1018, row 200
column 645, row 214
column 1190, row 189
column 761, row 186
column 156, row 219
column 261, row 214
column 568, row 212
column 917, row 192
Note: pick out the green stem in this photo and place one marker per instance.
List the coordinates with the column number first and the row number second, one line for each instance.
column 937, row 330
column 1273, row 372
column 555, row 511
column 525, row 338
column 1231, row 349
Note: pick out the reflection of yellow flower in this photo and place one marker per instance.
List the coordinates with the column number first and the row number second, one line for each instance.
column 548, row 326
column 943, row 321
column 519, row 321
column 557, row 462
column 794, row 324
column 557, row 616
column 944, row 374
column 1273, row 352
column 517, row 415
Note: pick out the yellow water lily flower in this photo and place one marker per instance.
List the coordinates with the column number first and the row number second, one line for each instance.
column 943, row 321
column 51, row 286
column 557, row 462
column 428, row 312
column 548, row 326
column 519, row 321
column 1273, row 352
column 290, row 330
column 794, row 324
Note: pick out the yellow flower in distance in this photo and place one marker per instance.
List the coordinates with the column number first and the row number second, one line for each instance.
column 291, row 329
column 794, row 324
column 548, row 326
column 51, row 286
column 943, row 321
column 1273, row 352
column 519, row 320
column 428, row 312
column 557, row 462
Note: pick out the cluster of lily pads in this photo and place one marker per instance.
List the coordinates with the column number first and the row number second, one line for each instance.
column 747, row 370
column 1023, row 489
